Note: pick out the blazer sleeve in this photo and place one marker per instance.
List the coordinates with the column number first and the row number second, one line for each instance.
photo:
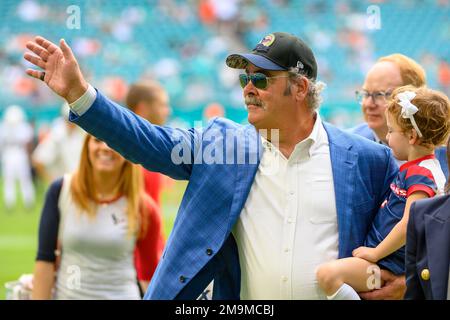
column 413, row 287
column 170, row 151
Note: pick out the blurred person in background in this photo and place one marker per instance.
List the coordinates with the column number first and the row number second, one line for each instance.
column 428, row 248
column 387, row 74
column 16, row 136
column 59, row 151
column 98, row 222
column 213, row 110
column 149, row 100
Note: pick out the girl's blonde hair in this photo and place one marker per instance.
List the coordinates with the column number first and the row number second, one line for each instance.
column 432, row 118
column 130, row 185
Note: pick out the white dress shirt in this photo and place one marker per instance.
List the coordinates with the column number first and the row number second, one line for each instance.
column 84, row 102
column 288, row 226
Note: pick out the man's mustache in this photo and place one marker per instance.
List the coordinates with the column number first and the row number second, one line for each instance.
column 254, row 101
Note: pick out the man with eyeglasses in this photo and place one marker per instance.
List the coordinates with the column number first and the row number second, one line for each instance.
column 387, row 74
column 257, row 228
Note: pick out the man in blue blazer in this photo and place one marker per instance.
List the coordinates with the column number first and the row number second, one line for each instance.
column 387, row 74
column 428, row 249
column 266, row 203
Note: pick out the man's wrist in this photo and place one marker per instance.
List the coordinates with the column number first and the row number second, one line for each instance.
column 376, row 254
column 76, row 93
column 83, row 103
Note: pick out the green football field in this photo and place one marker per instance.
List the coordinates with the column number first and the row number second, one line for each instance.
column 19, row 229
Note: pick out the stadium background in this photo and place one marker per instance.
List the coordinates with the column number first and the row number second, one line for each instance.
column 183, row 44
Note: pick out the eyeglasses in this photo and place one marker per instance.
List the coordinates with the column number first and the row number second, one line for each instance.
column 378, row 97
column 259, row 80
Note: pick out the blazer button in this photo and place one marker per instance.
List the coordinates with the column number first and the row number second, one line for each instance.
column 182, row 279
column 209, row 252
column 425, row 274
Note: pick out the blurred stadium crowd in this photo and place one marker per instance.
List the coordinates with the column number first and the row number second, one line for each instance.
column 183, row 45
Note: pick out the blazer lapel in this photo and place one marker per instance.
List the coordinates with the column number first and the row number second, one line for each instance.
column 342, row 162
column 245, row 173
column 437, row 233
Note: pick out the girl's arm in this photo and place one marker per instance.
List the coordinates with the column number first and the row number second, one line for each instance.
column 44, row 271
column 43, row 280
column 395, row 239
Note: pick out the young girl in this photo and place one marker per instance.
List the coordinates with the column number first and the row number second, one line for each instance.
column 428, row 248
column 418, row 122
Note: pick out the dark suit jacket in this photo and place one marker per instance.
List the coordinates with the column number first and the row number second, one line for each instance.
column 428, row 248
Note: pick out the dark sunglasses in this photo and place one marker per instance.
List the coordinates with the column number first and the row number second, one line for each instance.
column 259, row 80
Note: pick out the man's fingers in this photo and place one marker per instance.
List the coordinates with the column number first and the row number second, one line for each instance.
column 372, row 295
column 49, row 46
column 38, row 50
column 35, row 73
column 34, row 60
column 67, row 52
column 386, row 275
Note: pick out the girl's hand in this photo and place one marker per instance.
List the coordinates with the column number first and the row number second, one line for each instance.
column 366, row 253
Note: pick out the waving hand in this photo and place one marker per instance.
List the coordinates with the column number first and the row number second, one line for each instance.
column 60, row 70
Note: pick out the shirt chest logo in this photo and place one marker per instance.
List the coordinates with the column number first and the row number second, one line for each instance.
column 117, row 219
column 398, row 191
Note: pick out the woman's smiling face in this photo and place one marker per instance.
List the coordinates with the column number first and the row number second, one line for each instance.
column 103, row 158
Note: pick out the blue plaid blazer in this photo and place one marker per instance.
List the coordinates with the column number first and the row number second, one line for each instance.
column 201, row 246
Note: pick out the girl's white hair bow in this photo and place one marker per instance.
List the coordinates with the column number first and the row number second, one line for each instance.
column 409, row 109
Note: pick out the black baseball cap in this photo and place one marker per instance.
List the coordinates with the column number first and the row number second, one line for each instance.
column 278, row 51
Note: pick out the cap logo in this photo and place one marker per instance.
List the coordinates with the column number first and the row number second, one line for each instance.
column 268, row 40
column 300, row 64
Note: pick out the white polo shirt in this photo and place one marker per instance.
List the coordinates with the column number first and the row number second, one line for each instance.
column 288, row 226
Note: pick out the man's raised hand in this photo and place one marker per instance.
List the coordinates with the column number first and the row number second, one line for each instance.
column 60, row 70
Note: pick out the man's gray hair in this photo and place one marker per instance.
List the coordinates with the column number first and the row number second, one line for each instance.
column 314, row 89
